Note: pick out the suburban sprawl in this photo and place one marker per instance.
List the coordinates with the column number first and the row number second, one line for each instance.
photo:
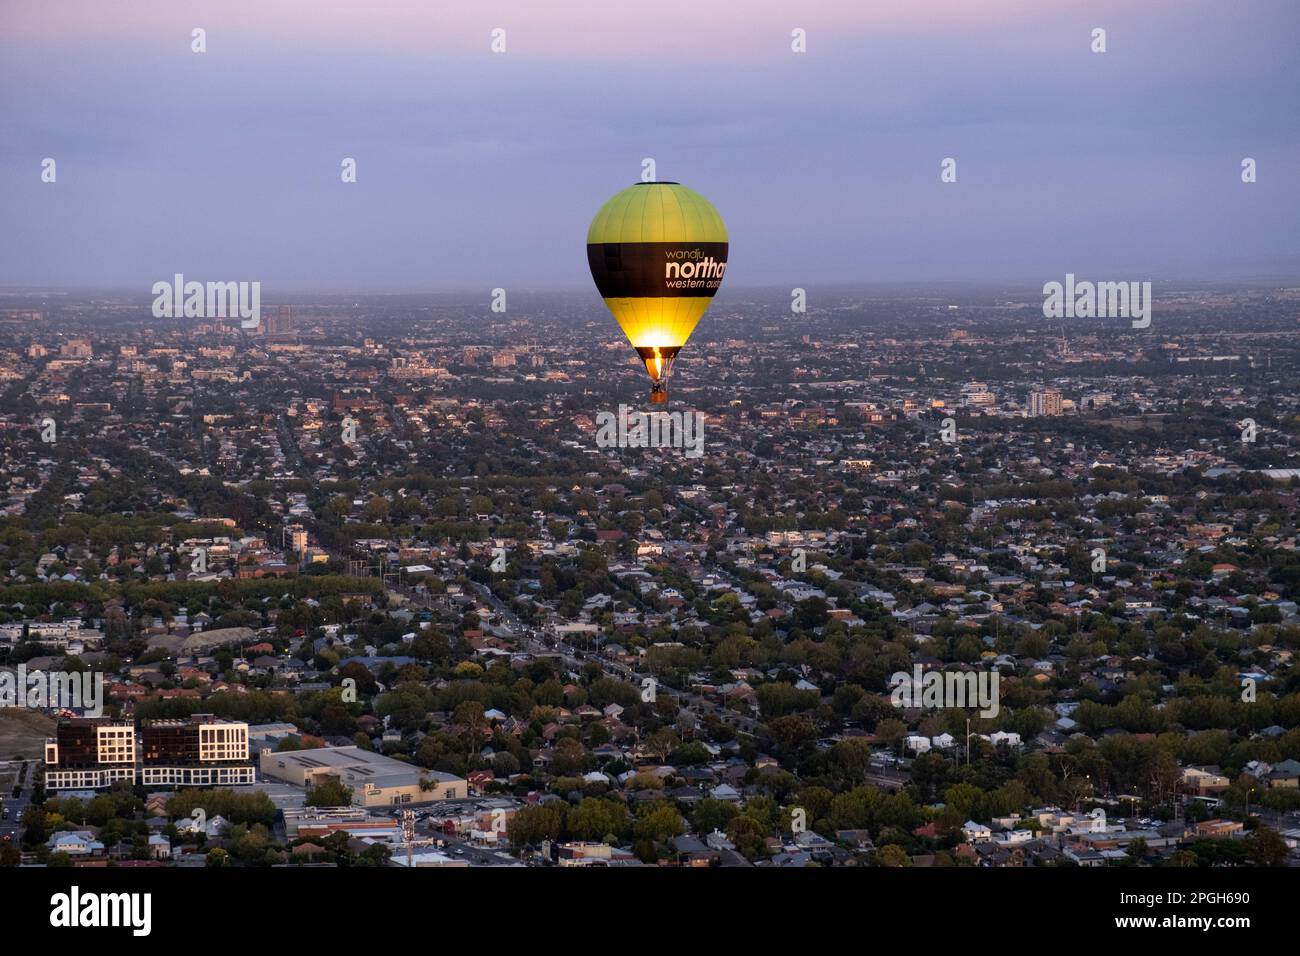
column 362, row 587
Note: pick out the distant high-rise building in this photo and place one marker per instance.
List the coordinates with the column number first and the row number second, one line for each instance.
column 977, row 395
column 503, row 359
column 298, row 538
column 470, row 356
column 1044, row 402
column 277, row 322
column 77, row 348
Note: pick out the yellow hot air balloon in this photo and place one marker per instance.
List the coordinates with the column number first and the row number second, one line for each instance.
column 658, row 252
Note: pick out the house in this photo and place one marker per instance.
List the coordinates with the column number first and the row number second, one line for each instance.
column 1286, row 773
column 999, row 855
column 75, row 843
column 1219, row 829
column 718, row 840
column 211, row 828
column 976, row 832
column 160, row 848
column 1202, row 781
column 858, row 839
column 1084, row 855
column 691, row 851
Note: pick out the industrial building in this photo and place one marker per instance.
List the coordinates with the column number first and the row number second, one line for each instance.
column 375, row 780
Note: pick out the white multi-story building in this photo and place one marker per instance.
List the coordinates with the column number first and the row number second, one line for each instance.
column 977, row 395
column 1044, row 402
column 94, row 754
column 90, row 755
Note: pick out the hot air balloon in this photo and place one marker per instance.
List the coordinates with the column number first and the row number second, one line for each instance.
column 657, row 252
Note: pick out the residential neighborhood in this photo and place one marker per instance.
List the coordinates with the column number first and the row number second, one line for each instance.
column 467, row 635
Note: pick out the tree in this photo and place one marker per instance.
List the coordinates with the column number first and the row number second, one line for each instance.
column 661, row 743
column 1267, row 848
column 710, row 814
column 374, row 855
column 570, row 757
column 504, row 764
column 853, row 755
column 748, row 836
column 892, row 855
column 531, row 825
column 660, row 823
column 330, row 792
column 791, row 732
column 891, row 732
column 469, row 714
column 595, row 819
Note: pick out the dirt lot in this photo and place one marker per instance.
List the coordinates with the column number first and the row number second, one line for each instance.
column 23, row 733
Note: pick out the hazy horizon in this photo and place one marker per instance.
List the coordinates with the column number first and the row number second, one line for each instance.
column 1168, row 283
column 478, row 170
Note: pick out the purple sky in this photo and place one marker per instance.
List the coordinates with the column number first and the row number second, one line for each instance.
column 477, row 169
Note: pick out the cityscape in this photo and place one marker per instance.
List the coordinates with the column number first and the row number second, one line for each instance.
column 469, row 448
column 549, row 652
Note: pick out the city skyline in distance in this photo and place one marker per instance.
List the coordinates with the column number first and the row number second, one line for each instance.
column 478, row 169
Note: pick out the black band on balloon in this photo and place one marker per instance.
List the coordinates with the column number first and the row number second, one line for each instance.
column 633, row 270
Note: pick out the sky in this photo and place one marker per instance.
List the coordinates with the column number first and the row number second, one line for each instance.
column 481, row 169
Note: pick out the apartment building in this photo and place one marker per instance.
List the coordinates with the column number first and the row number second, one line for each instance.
column 95, row 753
column 977, row 395
column 201, row 752
column 1045, row 402
column 90, row 754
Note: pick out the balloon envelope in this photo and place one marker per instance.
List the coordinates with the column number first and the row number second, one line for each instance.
column 658, row 252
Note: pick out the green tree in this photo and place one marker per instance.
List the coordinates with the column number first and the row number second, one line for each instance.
column 329, row 792
column 892, row 855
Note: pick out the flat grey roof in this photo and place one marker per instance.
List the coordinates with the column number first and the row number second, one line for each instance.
column 360, row 763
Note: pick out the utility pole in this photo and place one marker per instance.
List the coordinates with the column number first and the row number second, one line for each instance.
column 408, row 833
